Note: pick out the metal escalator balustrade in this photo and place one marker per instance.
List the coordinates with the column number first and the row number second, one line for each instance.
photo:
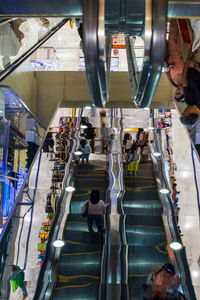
column 155, row 38
column 79, row 264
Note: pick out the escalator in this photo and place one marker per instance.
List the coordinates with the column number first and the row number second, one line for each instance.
column 145, row 233
column 78, row 270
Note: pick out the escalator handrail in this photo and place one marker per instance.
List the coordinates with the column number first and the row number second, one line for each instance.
column 195, row 177
column 93, row 42
column 155, row 30
column 50, row 252
column 131, row 61
column 29, row 229
column 25, row 55
column 180, row 256
column 25, row 183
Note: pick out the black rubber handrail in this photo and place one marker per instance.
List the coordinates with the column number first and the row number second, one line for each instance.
column 22, row 58
column 154, row 54
column 94, row 45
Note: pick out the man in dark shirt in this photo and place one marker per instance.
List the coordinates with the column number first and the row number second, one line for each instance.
column 191, row 89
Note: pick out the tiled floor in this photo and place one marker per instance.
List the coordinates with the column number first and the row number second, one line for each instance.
column 189, row 213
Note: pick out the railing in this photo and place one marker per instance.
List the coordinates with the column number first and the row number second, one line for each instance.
column 9, row 230
column 29, row 229
column 179, row 258
column 94, row 44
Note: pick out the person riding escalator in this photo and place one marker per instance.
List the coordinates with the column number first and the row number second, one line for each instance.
column 95, row 209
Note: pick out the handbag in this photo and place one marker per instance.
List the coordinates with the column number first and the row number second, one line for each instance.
column 85, row 214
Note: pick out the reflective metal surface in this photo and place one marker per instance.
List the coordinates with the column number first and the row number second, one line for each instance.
column 69, row 8
column 94, row 44
column 155, row 31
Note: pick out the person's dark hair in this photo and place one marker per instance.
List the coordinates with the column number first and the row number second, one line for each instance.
column 174, row 185
column 83, row 143
column 140, row 130
column 126, row 136
column 180, row 99
column 14, row 268
column 134, row 147
column 49, row 135
column 190, row 120
column 94, row 197
column 169, row 268
column 83, row 120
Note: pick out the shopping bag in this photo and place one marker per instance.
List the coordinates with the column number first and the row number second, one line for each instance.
column 14, row 285
column 85, row 214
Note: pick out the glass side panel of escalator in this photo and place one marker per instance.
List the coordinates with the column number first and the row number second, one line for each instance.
column 18, row 35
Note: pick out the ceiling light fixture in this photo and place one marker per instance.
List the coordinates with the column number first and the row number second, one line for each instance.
column 156, row 154
column 88, row 107
column 164, row 191
column 58, row 243
column 175, row 246
column 70, row 189
column 78, row 152
column 83, row 126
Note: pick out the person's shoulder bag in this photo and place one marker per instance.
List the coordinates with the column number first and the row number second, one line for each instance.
column 85, row 213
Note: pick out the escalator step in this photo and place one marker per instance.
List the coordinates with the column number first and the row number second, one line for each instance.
column 141, row 195
column 143, row 220
column 83, row 237
column 88, row 291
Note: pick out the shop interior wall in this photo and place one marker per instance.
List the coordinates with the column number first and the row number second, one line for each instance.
column 42, row 92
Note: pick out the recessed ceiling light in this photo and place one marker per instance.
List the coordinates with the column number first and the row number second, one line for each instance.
column 164, row 191
column 151, row 128
column 195, row 273
column 156, row 154
column 146, row 108
column 83, row 126
column 175, row 246
column 70, row 189
column 58, row 243
column 88, row 107
column 78, row 152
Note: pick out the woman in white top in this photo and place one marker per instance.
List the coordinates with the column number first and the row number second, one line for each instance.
column 96, row 209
